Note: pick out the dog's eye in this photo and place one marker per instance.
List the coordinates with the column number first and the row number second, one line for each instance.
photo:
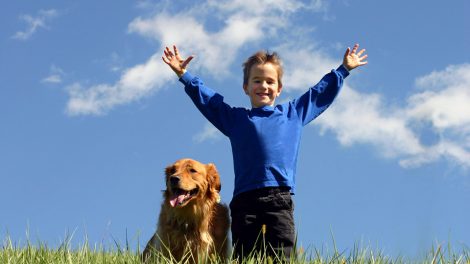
column 192, row 170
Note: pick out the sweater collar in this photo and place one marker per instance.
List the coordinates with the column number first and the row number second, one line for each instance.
column 263, row 108
column 267, row 109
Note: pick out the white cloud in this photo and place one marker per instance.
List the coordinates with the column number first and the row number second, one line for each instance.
column 209, row 132
column 54, row 78
column 265, row 6
column 34, row 23
column 55, row 75
column 444, row 103
column 304, row 65
column 362, row 118
column 445, row 100
column 115, row 64
column 135, row 83
column 189, row 34
column 216, row 49
column 145, row 4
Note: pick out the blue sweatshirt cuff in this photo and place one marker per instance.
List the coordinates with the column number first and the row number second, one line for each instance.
column 343, row 71
column 186, row 78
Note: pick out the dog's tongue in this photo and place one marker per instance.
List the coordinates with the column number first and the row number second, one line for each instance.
column 177, row 199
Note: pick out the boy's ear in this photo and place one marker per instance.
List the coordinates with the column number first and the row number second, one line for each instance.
column 279, row 89
column 245, row 88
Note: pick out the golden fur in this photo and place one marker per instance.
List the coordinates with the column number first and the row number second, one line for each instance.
column 192, row 223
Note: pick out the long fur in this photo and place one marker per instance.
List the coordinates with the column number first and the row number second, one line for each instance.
column 196, row 229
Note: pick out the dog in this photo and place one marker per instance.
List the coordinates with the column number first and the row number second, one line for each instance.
column 193, row 224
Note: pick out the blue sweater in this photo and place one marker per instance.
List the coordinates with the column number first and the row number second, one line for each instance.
column 265, row 141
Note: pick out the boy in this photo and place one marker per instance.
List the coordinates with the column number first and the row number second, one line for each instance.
column 265, row 142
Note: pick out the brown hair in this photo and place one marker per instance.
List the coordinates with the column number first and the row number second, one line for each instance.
column 262, row 57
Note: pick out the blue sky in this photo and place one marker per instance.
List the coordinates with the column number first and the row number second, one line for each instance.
column 90, row 116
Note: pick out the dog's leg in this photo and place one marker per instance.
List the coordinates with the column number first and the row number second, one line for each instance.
column 219, row 229
column 150, row 248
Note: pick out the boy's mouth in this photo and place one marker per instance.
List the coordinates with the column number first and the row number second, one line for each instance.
column 262, row 94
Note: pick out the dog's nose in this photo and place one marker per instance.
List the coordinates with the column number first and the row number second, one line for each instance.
column 174, row 180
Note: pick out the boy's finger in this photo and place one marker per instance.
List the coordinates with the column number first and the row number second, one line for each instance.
column 347, row 51
column 168, row 53
column 177, row 54
column 186, row 62
column 356, row 46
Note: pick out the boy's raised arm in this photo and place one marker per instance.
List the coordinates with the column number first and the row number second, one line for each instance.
column 175, row 61
column 353, row 59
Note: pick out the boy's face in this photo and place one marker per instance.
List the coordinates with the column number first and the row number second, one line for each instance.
column 263, row 87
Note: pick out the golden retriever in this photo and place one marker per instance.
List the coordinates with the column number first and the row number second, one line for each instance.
column 193, row 224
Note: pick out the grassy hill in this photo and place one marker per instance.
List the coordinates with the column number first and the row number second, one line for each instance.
column 37, row 254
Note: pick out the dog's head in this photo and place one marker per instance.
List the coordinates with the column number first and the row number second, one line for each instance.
column 188, row 180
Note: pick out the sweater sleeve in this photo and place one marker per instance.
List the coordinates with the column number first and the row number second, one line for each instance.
column 209, row 103
column 319, row 97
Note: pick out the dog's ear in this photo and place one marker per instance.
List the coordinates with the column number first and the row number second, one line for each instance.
column 170, row 170
column 213, row 177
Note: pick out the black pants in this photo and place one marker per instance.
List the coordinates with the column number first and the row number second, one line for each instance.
column 269, row 207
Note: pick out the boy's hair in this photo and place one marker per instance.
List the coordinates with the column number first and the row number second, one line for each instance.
column 262, row 57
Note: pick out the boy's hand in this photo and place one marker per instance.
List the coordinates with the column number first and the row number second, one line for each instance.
column 174, row 60
column 352, row 59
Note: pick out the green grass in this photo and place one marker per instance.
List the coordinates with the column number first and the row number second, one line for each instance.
column 41, row 253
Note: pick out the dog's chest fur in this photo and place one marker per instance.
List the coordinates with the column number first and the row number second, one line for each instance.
column 190, row 230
